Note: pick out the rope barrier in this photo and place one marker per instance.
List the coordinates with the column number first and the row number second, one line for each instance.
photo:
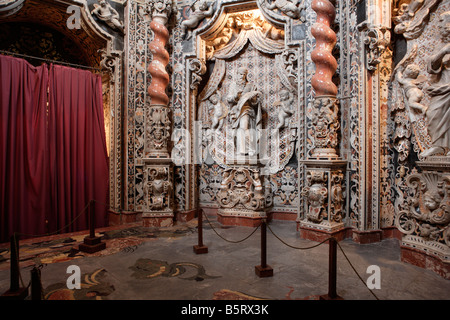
column 299, row 248
column 348, row 260
column 232, row 241
column 360, row 278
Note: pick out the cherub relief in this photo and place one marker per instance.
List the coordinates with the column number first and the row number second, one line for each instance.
column 291, row 8
column 107, row 14
column 199, row 12
column 410, row 80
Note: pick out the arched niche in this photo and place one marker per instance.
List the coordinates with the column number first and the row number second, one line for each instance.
column 243, row 34
column 45, row 24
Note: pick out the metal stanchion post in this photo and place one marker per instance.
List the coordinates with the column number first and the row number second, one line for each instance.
column 264, row 270
column 200, row 248
column 15, row 292
column 332, row 272
column 92, row 243
column 36, row 289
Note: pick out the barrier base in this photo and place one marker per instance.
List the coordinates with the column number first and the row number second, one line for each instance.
column 264, row 272
column 92, row 245
column 327, row 297
column 200, row 249
column 20, row 294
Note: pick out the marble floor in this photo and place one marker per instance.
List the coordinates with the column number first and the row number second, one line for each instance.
column 160, row 264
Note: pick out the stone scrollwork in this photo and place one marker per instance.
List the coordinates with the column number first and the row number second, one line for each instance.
column 337, row 195
column 159, row 8
column 377, row 40
column 198, row 69
column 242, row 188
column 428, row 212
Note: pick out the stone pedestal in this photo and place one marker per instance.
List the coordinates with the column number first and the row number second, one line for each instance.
column 325, row 194
column 241, row 197
column 425, row 222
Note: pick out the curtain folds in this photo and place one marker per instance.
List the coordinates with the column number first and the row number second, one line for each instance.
column 53, row 157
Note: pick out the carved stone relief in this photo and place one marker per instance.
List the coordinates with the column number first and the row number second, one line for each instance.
column 425, row 220
column 420, row 114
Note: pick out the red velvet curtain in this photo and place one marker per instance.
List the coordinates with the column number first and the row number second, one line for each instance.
column 53, row 157
column 23, row 147
column 78, row 157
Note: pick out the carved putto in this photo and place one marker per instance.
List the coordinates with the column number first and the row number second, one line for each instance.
column 106, row 13
column 423, row 81
column 200, row 9
column 291, row 8
column 159, row 189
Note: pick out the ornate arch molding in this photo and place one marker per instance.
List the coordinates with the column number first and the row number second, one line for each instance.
column 100, row 51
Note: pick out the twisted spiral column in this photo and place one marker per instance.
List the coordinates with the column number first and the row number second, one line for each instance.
column 325, row 121
column 157, row 68
column 326, row 64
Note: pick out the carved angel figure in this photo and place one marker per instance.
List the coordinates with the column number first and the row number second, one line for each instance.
column 291, row 8
column 410, row 81
column 438, row 112
column 201, row 11
column 220, row 111
column 285, row 110
column 105, row 12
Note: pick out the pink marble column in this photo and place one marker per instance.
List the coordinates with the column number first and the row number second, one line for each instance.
column 325, row 118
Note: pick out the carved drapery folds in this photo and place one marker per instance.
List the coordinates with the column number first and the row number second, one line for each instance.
column 421, row 79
